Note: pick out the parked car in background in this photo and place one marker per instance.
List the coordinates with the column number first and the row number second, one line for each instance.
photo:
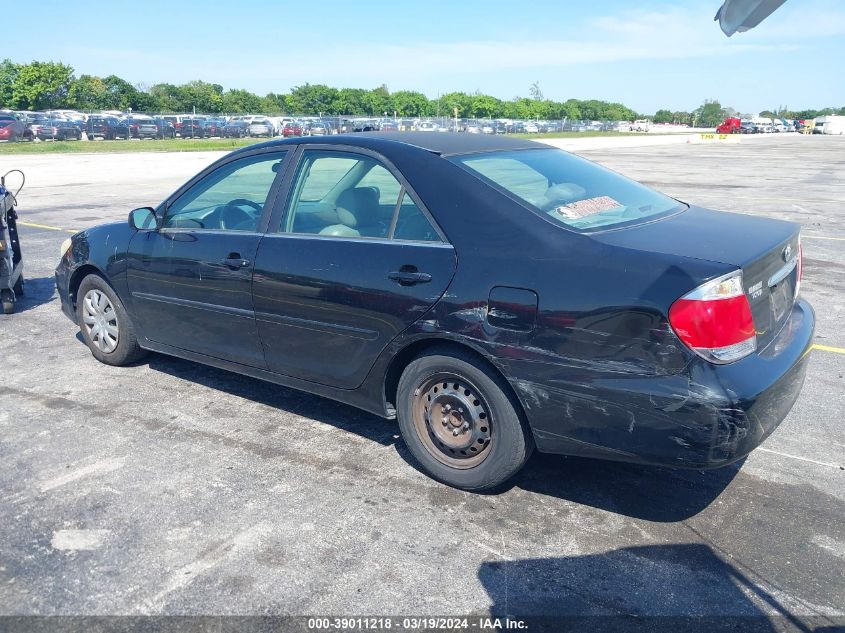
column 427, row 126
column 143, row 128
column 611, row 322
column 261, row 127
column 13, row 129
column 34, row 121
column 192, row 128
column 105, row 127
column 59, row 130
column 318, row 128
column 176, row 121
column 747, row 127
column 236, row 129
column 164, row 128
column 531, row 128
column 292, row 129
column 214, row 127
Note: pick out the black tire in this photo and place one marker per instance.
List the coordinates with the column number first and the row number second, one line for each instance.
column 497, row 441
column 126, row 350
column 7, row 298
column 18, row 287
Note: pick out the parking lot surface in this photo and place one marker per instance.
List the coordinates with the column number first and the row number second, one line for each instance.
column 173, row 488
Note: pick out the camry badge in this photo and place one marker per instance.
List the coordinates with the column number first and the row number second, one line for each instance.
column 787, row 253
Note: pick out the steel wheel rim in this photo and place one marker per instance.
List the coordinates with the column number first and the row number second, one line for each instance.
column 100, row 320
column 453, row 421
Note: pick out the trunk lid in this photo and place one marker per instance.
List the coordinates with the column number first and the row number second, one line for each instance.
column 766, row 251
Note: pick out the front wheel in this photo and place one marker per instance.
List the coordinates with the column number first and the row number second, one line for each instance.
column 104, row 323
column 7, row 298
column 461, row 422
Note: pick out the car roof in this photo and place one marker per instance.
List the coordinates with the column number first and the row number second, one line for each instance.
column 442, row 143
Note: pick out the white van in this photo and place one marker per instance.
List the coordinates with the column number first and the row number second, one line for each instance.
column 830, row 124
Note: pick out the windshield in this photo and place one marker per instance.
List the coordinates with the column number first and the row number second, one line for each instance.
column 568, row 190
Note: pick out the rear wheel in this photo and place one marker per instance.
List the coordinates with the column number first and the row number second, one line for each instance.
column 460, row 421
column 105, row 326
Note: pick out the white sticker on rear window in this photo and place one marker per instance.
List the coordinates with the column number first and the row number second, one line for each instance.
column 590, row 206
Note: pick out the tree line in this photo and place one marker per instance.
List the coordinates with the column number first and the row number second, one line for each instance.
column 52, row 85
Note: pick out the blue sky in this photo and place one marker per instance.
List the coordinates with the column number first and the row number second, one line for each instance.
column 648, row 55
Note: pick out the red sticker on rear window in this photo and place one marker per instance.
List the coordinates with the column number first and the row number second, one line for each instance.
column 590, row 206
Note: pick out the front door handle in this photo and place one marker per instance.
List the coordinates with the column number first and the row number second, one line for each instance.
column 235, row 261
column 409, row 277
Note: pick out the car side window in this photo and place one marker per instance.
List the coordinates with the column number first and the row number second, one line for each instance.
column 342, row 195
column 231, row 198
column 412, row 224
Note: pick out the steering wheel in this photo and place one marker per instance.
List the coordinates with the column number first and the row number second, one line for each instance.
column 232, row 215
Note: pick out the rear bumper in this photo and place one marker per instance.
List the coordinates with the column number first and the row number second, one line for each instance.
column 706, row 417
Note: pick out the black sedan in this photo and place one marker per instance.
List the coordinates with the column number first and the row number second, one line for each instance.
column 493, row 294
column 236, row 129
column 58, row 130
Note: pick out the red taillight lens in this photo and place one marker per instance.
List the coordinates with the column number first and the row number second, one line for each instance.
column 715, row 320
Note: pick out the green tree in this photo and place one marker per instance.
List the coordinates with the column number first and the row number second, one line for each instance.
column 41, row 85
column 88, row 93
column 205, row 97
column 8, row 76
column 768, row 114
column 377, row 101
column 410, row 103
column 709, row 114
column 312, row 99
column 165, row 98
column 484, row 106
column 663, row 116
column 350, row 101
column 273, row 103
column 120, row 94
column 240, row 102
column 459, row 100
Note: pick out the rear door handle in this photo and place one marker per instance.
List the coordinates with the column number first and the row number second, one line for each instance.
column 235, row 261
column 409, row 278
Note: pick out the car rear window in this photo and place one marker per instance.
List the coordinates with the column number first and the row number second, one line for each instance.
column 568, row 190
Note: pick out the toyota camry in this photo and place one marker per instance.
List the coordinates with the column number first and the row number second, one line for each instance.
column 494, row 295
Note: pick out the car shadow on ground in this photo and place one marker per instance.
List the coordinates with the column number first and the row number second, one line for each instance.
column 656, row 588
column 645, row 492
column 640, row 491
column 341, row 416
column 37, row 292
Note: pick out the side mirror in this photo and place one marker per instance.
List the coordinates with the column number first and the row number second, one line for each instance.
column 143, row 219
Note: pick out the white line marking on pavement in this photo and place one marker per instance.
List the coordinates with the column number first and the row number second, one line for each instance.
column 97, row 468
column 803, row 459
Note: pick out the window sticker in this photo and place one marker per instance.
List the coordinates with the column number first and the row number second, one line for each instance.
column 590, row 206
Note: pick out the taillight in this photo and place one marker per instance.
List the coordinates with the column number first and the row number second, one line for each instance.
column 800, row 266
column 715, row 320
